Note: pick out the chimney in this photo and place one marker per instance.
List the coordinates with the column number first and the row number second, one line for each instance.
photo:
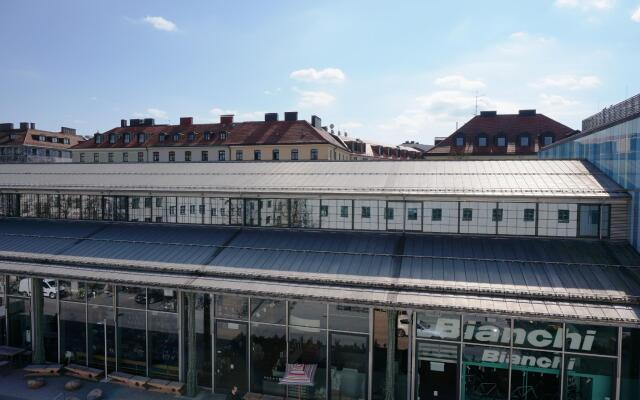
column 488, row 113
column 226, row 119
column 7, row 126
column 67, row 131
column 291, row 116
column 32, row 125
column 123, row 123
column 186, row 121
column 24, row 125
column 316, row 122
column 527, row 113
column 270, row 117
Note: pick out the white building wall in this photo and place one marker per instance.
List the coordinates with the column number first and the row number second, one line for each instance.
column 217, row 210
column 333, row 218
column 449, row 220
column 513, row 219
column 375, row 221
column 548, row 224
column 413, row 216
column 481, row 221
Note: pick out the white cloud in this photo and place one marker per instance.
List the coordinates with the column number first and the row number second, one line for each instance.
column 160, row 23
column 585, row 5
column 272, row 92
column 311, row 98
column 572, row 82
column 554, row 100
column 459, row 82
column 152, row 112
column 327, row 75
column 237, row 115
column 636, row 15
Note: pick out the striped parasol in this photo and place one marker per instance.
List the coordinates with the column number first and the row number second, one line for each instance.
column 299, row 375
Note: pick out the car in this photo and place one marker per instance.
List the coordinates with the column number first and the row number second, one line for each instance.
column 154, row 297
column 49, row 288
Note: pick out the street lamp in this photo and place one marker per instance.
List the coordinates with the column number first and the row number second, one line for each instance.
column 106, row 372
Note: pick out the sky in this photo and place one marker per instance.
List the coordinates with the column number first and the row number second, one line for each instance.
column 385, row 71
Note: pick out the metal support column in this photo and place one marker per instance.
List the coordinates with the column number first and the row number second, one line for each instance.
column 37, row 306
column 389, row 387
column 192, row 368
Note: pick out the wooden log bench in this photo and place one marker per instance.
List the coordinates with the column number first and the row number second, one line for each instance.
column 133, row 381
column 43, row 369
column 82, row 372
column 163, row 386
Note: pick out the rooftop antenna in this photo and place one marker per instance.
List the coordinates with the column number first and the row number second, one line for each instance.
column 331, row 126
column 477, row 96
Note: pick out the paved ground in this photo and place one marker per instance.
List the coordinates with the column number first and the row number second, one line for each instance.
column 13, row 387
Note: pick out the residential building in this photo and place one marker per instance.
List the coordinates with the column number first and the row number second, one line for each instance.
column 495, row 136
column 144, row 141
column 26, row 144
column 403, row 279
column 610, row 140
column 422, row 148
column 367, row 150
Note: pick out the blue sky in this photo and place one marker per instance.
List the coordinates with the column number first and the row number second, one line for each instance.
column 382, row 70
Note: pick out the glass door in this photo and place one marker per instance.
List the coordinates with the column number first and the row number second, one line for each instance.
column 231, row 356
column 436, row 370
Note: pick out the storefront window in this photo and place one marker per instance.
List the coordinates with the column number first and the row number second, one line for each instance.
column 485, row 373
column 3, row 312
column 436, row 370
column 231, row 357
column 232, row 307
column 268, row 358
column 537, row 335
column 73, row 332
column 308, row 313
column 393, row 350
column 592, row 339
column 97, row 316
column 72, row 291
column 19, row 286
column 50, row 328
column 203, row 338
column 434, row 325
column 268, row 311
column 100, row 294
column 309, row 346
column 132, row 297
column 163, row 345
column 486, row 330
column 132, row 341
column 535, row 375
column 349, row 357
column 162, row 300
column 630, row 379
column 348, row 318
column 19, row 322
column 589, row 378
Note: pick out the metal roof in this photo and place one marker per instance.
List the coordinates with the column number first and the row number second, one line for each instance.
column 534, row 270
column 568, row 178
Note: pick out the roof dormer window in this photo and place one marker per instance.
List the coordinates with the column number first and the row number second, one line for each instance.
column 523, row 140
column 161, row 137
column 112, row 138
column 501, row 141
column 98, row 139
column 141, row 137
column 126, row 137
column 546, row 139
column 191, row 136
column 176, row 137
column 207, row 135
column 223, row 135
column 459, row 141
column 483, row 141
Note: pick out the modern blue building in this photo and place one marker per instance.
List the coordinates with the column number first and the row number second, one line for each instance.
column 610, row 140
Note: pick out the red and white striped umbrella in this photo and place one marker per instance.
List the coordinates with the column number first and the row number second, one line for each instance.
column 299, row 374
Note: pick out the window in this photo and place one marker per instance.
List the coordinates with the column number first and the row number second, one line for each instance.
column 148, row 202
column 187, row 156
column 344, row 211
column 524, row 141
column 239, row 155
column 125, row 157
column 204, row 156
column 467, row 214
column 176, row 137
column 81, row 157
column 158, row 201
column 183, row 210
column 547, row 140
column 127, row 137
column 172, row 156
column 501, row 141
column 110, row 157
column 156, row 156
column 529, row 214
column 563, row 216
column 192, row 209
column 140, row 156
column 436, row 214
column 324, row 211
column 191, row 136
column 158, row 219
column 161, row 137
column 223, row 135
column 222, row 155
column 112, row 138
column 275, row 154
column 141, row 137
column 388, row 213
column 135, row 202
column 294, row 154
column 98, row 139
column 172, row 210
column 366, row 212
column 412, row 214
column 482, row 141
column 257, row 155
column 96, row 157
column 314, row 154
column 496, row 215
column 214, row 212
column 207, row 135
column 460, row 141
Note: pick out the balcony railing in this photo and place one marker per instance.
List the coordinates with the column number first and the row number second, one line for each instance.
column 616, row 113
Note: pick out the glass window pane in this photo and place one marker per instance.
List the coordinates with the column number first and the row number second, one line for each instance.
column 232, row 307
column 592, row 339
column 100, row 294
column 348, row 318
column 231, row 356
column 50, row 328
column 434, row 325
column 307, row 313
column 535, row 375
column 162, row 300
column 19, row 286
column 349, row 366
column 269, row 311
column 72, row 291
column 268, row 359
column 96, row 317
column 132, row 297
column 132, row 341
column 19, row 311
column 589, row 377
column 485, row 373
column 630, row 380
column 309, row 346
column 203, row 338
column 163, row 345
column 436, row 370
column 537, row 335
column 3, row 311
column 73, row 318
column 486, row 330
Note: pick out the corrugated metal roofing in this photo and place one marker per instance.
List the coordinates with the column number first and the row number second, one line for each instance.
column 567, row 178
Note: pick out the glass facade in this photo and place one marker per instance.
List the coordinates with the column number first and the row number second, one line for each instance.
column 615, row 151
column 361, row 352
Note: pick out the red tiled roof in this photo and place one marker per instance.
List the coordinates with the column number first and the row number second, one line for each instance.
column 238, row 134
column 30, row 137
column 512, row 126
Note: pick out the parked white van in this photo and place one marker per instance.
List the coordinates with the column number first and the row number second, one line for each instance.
column 49, row 288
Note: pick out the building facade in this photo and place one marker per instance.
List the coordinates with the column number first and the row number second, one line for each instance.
column 268, row 140
column 611, row 141
column 501, row 136
column 402, row 280
column 26, row 144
